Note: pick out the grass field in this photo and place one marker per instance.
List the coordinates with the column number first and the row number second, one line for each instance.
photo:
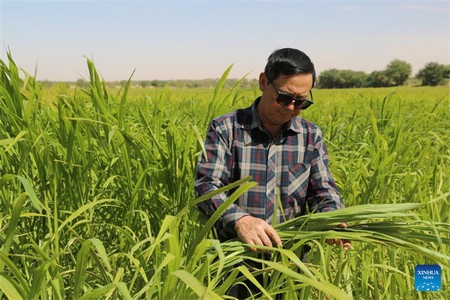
column 97, row 201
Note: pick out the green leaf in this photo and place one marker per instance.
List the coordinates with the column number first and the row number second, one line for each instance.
column 98, row 292
column 8, row 288
column 81, row 268
column 12, row 226
column 195, row 285
column 37, row 284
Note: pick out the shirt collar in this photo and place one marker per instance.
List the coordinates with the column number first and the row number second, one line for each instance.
column 251, row 120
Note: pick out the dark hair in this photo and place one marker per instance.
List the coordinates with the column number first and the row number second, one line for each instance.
column 288, row 61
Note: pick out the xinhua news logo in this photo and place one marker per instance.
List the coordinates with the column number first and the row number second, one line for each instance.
column 427, row 278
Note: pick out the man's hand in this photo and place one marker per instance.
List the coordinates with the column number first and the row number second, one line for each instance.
column 256, row 231
column 338, row 242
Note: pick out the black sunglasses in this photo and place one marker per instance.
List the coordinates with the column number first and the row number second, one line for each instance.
column 286, row 99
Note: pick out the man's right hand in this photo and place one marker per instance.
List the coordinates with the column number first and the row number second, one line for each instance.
column 256, row 231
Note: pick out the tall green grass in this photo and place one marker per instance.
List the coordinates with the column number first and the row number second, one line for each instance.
column 96, row 195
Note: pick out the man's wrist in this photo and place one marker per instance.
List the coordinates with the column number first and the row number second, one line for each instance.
column 231, row 218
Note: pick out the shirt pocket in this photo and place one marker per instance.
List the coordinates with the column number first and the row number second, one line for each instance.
column 298, row 180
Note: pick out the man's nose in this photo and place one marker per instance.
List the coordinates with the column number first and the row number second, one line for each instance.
column 291, row 106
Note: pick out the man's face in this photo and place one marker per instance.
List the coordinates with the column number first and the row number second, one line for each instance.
column 273, row 114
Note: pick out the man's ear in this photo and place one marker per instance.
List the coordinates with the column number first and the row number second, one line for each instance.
column 263, row 82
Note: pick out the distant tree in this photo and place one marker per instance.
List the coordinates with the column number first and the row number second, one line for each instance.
column 329, row 79
column 192, row 84
column 334, row 78
column 378, row 79
column 157, row 83
column 398, row 71
column 447, row 71
column 353, row 79
column 433, row 73
column 81, row 83
column 144, row 83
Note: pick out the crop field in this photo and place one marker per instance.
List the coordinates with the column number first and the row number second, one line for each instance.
column 97, row 199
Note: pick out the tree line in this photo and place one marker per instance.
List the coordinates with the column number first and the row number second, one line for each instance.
column 179, row 83
column 396, row 73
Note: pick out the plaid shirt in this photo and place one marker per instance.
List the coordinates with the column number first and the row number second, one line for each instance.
column 293, row 165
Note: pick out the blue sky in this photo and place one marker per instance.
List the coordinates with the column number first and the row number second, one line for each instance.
column 200, row 39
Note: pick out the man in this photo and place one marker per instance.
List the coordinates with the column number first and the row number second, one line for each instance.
column 285, row 154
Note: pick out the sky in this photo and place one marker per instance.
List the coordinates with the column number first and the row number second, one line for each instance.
column 170, row 40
